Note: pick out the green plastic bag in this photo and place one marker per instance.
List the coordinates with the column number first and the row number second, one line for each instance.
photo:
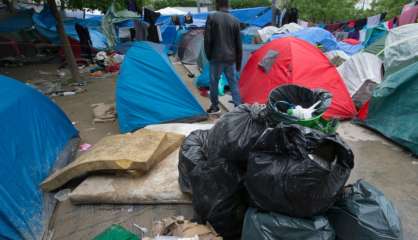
column 282, row 97
column 273, row 226
column 365, row 213
column 116, row 232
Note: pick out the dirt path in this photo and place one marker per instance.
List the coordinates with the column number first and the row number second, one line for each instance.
column 378, row 161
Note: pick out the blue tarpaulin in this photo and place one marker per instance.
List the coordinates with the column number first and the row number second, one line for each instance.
column 45, row 24
column 22, row 20
column 34, row 131
column 262, row 19
column 149, row 90
column 319, row 36
column 252, row 16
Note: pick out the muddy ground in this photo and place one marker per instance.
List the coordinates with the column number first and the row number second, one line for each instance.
column 378, row 161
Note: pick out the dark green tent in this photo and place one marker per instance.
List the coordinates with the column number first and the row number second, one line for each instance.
column 393, row 108
column 377, row 48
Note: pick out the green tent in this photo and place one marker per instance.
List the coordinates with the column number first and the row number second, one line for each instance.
column 401, row 48
column 375, row 34
column 392, row 109
column 377, row 47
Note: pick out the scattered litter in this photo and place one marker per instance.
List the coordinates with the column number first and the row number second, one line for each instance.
column 141, row 229
column 183, row 229
column 175, row 238
column 61, row 73
column 97, row 74
column 84, row 147
column 46, row 87
column 79, row 84
column 104, row 112
column 44, row 73
column 62, row 195
column 414, row 163
column 74, row 123
column 67, row 94
column 117, row 58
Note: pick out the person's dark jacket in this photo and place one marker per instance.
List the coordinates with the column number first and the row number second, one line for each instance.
column 223, row 39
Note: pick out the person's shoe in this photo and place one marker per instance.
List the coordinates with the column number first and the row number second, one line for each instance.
column 213, row 110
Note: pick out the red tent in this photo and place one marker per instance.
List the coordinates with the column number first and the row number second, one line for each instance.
column 296, row 62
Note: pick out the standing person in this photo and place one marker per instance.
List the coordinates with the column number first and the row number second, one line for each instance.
column 223, row 48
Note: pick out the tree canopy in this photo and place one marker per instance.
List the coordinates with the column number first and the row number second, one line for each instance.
column 392, row 7
column 326, row 11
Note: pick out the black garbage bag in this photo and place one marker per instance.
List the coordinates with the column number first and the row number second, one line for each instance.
column 219, row 198
column 281, row 97
column 365, row 213
column 274, row 226
column 191, row 153
column 297, row 171
column 234, row 135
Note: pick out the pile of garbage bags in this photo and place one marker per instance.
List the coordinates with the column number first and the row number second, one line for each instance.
column 255, row 175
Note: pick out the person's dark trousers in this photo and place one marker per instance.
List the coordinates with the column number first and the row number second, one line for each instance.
column 216, row 69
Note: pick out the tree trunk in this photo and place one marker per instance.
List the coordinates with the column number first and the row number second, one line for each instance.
column 69, row 55
column 10, row 5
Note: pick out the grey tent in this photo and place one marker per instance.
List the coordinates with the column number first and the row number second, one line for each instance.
column 191, row 46
column 361, row 73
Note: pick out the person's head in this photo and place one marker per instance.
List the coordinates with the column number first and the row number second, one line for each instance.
column 222, row 4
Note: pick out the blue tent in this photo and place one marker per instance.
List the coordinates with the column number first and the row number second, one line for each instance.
column 45, row 24
column 320, row 36
column 34, row 135
column 248, row 34
column 149, row 90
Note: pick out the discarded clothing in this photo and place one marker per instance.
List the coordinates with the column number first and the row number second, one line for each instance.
column 303, row 23
column 104, row 112
column 267, row 32
column 341, row 35
column 409, row 16
column 373, row 21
